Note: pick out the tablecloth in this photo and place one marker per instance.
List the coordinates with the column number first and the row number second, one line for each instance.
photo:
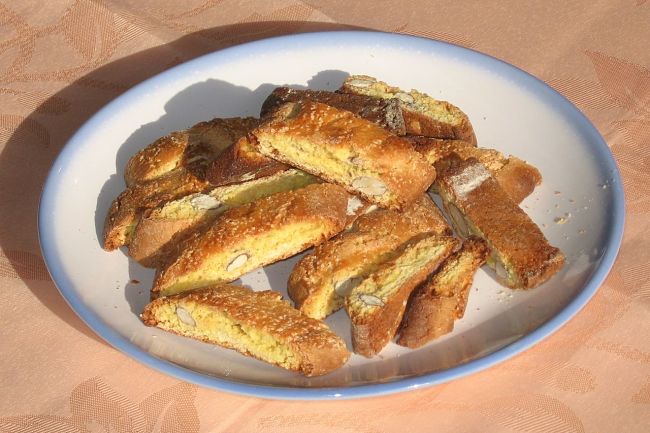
column 62, row 60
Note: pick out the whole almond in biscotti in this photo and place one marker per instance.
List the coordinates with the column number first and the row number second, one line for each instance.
column 253, row 235
column 384, row 112
column 126, row 210
column 377, row 304
column 256, row 324
column 477, row 205
column 423, row 115
column 345, row 149
column 177, row 219
column 320, row 281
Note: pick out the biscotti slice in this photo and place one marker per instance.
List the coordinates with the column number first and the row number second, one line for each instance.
column 478, row 205
column 127, row 208
column 377, row 304
column 241, row 162
column 192, row 148
column 436, row 304
column 171, row 221
column 320, row 281
column 384, row 112
column 343, row 148
column 253, row 235
column 423, row 115
column 257, row 324
column 516, row 177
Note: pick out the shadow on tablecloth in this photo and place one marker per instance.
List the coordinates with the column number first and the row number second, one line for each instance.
column 38, row 138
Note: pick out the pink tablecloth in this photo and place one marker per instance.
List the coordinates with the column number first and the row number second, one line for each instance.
column 62, row 60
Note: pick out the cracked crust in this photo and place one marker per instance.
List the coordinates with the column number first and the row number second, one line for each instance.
column 344, row 149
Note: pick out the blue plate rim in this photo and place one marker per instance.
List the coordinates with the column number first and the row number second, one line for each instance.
column 540, row 89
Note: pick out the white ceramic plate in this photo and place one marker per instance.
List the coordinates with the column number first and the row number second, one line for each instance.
column 511, row 111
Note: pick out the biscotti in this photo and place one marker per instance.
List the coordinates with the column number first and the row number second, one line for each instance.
column 516, row 177
column 384, row 112
column 320, row 281
column 257, row 324
column 241, row 162
column 253, row 235
column 436, row 304
column 174, row 220
column 192, row 149
column 476, row 204
column 342, row 148
column 377, row 304
column 423, row 115
column 127, row 208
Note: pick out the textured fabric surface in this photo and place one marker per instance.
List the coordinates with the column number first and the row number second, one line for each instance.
column 62, row 60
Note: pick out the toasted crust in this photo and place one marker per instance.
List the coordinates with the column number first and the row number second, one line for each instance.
column 126, row 209
column 516, row 177
column 254, row 235
column 257, row 324
column 241, row 162
column 173, row 221
column 384, row 112
column 423, row 115
column 345, row 149
column 192, row 148
column 436, row 304
column 377, row 304
column 319, row 282
column 476, row 203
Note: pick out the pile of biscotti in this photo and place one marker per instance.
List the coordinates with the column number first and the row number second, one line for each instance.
column 347, row 173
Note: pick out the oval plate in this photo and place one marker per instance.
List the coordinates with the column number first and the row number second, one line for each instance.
column 511, row 111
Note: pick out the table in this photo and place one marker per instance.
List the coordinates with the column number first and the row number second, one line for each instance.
column 62, row 60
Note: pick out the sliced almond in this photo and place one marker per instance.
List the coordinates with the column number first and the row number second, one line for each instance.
column 184, row 316
column 371, row 208
column 371, row 300
column 405, row 97
column 344, row 287
column 237, row 262
column 458, row 220
column 500, row 270
column 358, row 82
column 205, row 202
column 353, row 205
column 369, row 186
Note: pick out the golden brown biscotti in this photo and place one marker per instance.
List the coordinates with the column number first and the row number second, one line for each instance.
column 256, row 324
column 253, row 235
column 384, row 112
column 320, row 281
column 192, row 149
column 423, row 115
column 345, row 149
column 437, row 303
column 377, row 304
column 478, row 205
column 516, row 177
column 126, row 210
column 175, row 220
column 241, row 162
